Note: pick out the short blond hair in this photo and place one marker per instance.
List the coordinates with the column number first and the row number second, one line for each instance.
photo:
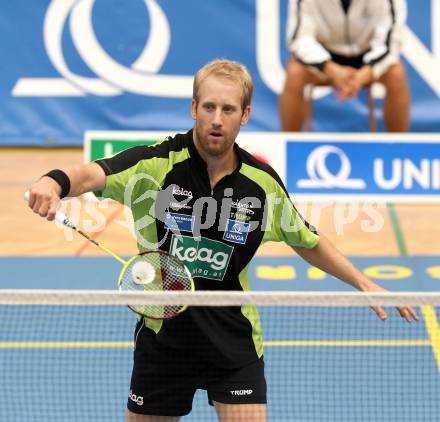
column 227, row 69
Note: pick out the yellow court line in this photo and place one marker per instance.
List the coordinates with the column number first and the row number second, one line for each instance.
column 64, row 344
column 346, row 343
column 273, row 343
column 433, row 328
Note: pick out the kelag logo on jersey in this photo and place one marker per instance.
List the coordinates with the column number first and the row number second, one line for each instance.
column 360, row 168
column 203, row 257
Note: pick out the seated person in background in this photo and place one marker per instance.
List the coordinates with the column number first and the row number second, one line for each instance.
column 347, row 44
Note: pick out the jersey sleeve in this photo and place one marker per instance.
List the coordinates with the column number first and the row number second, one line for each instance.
column 130, row 174
column 284, row 222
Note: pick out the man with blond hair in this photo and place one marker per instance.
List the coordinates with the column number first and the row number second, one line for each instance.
column 219, row 210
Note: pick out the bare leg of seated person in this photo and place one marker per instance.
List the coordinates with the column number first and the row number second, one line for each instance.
column 292, row 103
column 240, row 412
column 397, row 99
column 134, row 417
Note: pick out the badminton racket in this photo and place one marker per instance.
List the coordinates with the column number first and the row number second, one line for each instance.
column 153, row 270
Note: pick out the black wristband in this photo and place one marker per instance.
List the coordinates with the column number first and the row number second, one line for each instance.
column 62, row 179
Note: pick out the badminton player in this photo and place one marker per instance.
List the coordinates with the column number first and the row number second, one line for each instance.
column 215, row 205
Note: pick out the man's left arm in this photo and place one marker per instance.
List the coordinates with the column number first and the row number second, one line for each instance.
column 326, row 257
column 386, row 43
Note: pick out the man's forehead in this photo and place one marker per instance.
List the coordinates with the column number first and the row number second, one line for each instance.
column 220, row 88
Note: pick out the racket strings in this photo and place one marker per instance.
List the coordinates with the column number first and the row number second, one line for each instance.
column 155, row 271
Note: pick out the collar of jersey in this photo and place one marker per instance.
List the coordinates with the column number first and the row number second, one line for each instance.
column 198, row 160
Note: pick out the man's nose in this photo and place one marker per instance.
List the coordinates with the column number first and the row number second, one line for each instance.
column 218, row 119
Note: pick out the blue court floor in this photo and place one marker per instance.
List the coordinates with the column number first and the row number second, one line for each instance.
column 321, row 364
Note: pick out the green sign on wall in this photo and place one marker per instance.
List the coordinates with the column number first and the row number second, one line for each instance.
column 106, row 143
column 103, row 148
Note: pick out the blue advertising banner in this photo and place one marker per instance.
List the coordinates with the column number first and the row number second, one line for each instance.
column 73, row 65
column 372, row 169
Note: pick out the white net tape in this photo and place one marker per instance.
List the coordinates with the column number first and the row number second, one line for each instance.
column 217, row 298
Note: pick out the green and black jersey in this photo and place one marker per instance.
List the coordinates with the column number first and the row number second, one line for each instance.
column 214, row 232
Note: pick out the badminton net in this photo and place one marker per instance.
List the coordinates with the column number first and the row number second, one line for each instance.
column 67, row 355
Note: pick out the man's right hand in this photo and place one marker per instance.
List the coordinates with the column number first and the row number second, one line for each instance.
column 340, row 77
column 44, row 197
column 362, row 77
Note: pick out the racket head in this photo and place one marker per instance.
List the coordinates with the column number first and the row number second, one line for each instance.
column 155, row 271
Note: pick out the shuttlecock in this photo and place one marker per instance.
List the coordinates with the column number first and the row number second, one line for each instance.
column 143, row 273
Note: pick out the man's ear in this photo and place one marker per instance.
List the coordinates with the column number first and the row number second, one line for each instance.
column 246, row 115
column 193, row 109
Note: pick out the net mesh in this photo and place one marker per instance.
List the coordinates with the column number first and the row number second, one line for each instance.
column 155, row 271
column 67, row 355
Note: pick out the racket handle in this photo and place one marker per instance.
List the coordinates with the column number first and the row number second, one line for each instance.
column 59, row 216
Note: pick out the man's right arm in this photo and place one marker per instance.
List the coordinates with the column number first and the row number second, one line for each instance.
column 45, row 193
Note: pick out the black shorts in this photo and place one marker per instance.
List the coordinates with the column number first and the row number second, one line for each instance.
column 164, row 380
column 354, row 61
